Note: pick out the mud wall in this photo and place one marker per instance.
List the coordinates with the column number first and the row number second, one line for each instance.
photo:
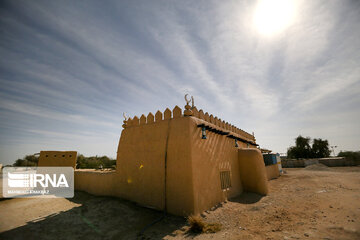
column 57, row 159
column 210, row 156
column 330, row 162
column 95, row 182
column 141, row 164
column 252, row 171
column 164, row 163
column 272, row 171
column 192, row 166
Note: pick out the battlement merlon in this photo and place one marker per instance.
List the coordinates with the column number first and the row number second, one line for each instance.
column 209, row 120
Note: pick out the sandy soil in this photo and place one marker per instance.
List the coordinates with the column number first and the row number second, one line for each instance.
column 313, row 203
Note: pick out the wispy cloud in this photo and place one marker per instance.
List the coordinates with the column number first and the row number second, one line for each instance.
column 69, row 69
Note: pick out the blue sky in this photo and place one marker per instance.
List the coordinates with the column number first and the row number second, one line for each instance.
column 69, row 69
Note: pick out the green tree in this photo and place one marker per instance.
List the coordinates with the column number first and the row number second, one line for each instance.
column 350, row 155
column 95, row 162
column 302, row 148
column 320, row 148
column 81, row 162
column 27, row 161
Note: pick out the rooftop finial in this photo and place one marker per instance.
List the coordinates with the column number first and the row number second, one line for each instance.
column 125, row 116
column 186, row 99
column 188, row 111
column 125, row 120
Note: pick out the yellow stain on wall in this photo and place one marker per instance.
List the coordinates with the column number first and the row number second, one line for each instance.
column 129, row 180
column 141, row 166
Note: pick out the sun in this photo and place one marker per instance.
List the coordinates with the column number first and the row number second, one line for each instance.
column 274, row 16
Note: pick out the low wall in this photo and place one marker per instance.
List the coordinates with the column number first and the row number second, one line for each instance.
column 330, row 162
column 252, row 171
column 95, row 182
column 272, row 171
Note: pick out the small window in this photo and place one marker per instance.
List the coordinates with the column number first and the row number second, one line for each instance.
column 63, row 155
column 46, row 155
column 225, row 179
column 54, row 155
column 70, row 155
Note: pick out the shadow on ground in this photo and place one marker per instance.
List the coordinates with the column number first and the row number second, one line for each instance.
column 247, row 198
column 100, row 218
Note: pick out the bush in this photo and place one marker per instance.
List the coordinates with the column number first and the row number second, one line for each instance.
column 95, row 162
column 355, row 156
column 198, row 225
column 27, row 161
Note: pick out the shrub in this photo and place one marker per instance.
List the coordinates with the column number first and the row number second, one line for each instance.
column 27, row 161
column 198, row 225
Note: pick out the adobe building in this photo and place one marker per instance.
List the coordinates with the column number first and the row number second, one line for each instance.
column 180, row 162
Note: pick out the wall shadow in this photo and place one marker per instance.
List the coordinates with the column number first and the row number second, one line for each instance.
column 100, row 218
column 247, row 198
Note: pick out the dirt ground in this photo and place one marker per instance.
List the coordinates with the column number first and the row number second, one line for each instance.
column 311, row 203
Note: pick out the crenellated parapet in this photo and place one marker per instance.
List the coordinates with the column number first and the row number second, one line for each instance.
column 214, row 120
column 210, row 120
column 219, row 124
column 151, row 118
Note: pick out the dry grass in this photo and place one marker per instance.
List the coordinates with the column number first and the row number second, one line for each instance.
column 198, row 225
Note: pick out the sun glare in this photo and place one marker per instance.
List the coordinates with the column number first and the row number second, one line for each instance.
column 274, row 16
